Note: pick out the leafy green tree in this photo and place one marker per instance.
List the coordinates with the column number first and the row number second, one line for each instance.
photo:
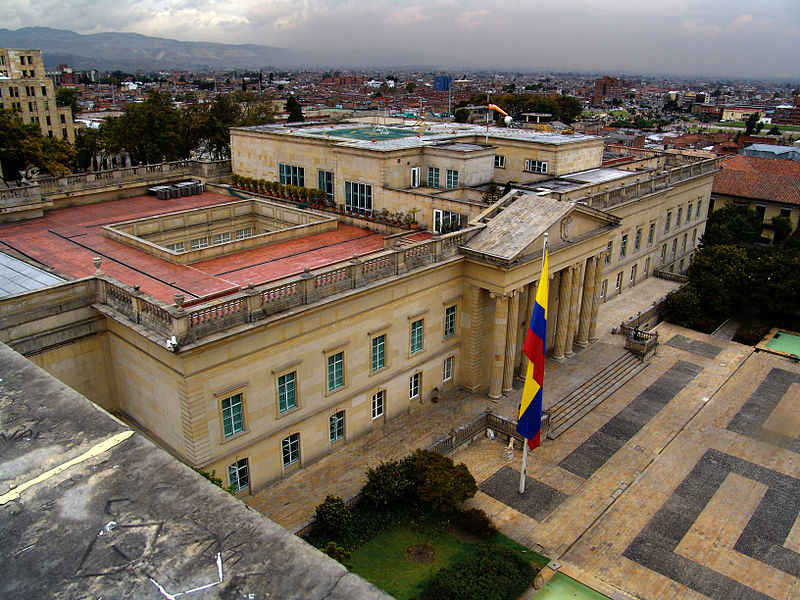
column 721, row 277
column 388, row 483
column 775, row 284
column 461, row 115
column 440, row 483
column 295, row 110
column 569, row 108
column 783, row 228
column 732, row 224
column 22, row 146
column 67, row 96
column 333, row 517
column 750, row 124
column 492, row 193
column 775, row 130
column 683, row 306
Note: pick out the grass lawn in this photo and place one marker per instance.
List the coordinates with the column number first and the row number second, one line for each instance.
column 382, row 560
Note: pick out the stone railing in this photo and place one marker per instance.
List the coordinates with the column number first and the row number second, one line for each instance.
column 642, row 343
column 18, row 196
column 191, row 323
column 664, row 274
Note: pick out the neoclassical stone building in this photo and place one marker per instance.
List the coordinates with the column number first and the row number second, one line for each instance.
column 251, row 337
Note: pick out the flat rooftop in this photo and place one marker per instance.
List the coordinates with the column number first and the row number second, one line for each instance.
column 67, row 240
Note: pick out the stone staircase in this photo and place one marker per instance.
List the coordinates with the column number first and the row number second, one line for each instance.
column 575, row 405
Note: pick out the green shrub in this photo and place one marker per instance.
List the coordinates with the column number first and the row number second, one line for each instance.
column 476, row 522
column 338, row 553
column 334, row 517
column 492, row 572
column 388, row 484
column 751, row 332
column 440, row 483
column 683, row 306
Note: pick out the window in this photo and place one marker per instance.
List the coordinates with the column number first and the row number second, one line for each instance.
column 619, row 281
column 699, row 203
column 30, row 90
column 232, row 417
column 177, row 247
column 416, row 336
column 786, row 213
column 689, row 213
column 291, row 449
column 358, row 196
column 646, row 266
column 668, row 221
column 447, row 368
column 694, row 236
column 445, row 221
column 378, row 401
column 415, row 176
column 335, row 371
column 63, row 118
column 243, row 233
column 535, row 166
column 663, row 254
column 32, row 107
column 609, row 249
column 638, row 241
column 198, row 243
column 433, row 177
column 685, row 239
column 44, row 90
column 452, row 179
column 449, row 321
column 603, row 288
column 623, row 247
column 761, row 211
column 679, row 217
column 238, row 475
column 674, row 247
column 222, row 238
column 499, row 161
column 414, row 386
column 651, row 235
column 378, row 352
column 291, row 175
column 336, row 426
column 287, row 391
column 47, row 118
column 325, row 183
column 633, row 274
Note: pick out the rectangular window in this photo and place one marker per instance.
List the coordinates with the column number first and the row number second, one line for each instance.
column 694, row 236
column 761, row 210
column 416, row 336
column 177, row 247
column 291, row 449
column 378, row 401
column 447, row 368
column 63, row 118
column 358, row 197
column 232, row 417
column 646, row 266
column 619, row 281
column 609, row 249
column 335, row 371
column 786, row 213
column 416, row 176
column 668, row 222
column 414, row 386
column 638, row 241
column 336, row 426
column 433, row 177
column 603, row 288
column 44, row 90
column 685, row 239
column 689, row 213
column 378, row 352
column 291, row 175
column 674, row 247
column 449, row 321
column 243, row 233
column 535, row 166
column 287, row 391
column 663, row 254
column 445, row 221
column 222, row 238
column 679, row 217
column 499, row 161
column 699, row 204
column 238, row 476
column 633, row 274
column 651, row 235
column 47, row 118
column 325, row 183
column 623, row 247
column 452, row 179
column 198, row 243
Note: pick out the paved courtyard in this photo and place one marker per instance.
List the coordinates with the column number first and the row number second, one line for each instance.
column 682, row 484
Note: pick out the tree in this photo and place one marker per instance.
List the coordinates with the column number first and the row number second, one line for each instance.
column 440, row 483
column 411, row 86
column 22, row 146
column 294, row 109
column 775, row 130
column 67, row 96
column 461, row 115
column 783, row 228
column 570, row 109
column 750, row 124
column 732, row 224
column 492, row 193
column 720, row 275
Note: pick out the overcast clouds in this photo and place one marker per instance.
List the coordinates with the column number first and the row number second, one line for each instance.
column 749, row 38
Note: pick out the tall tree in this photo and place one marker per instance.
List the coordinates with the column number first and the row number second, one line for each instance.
column 23, row 146
column 67, row 96
column 295, row 110
column 732, row 224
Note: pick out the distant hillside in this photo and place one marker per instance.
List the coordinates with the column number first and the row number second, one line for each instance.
column 132, row 52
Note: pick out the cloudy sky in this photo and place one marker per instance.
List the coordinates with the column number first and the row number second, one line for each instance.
column 747, row 38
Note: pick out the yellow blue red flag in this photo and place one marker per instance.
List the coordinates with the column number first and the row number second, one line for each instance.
column 529, row 424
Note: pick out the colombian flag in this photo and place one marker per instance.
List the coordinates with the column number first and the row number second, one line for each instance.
column 530, row 411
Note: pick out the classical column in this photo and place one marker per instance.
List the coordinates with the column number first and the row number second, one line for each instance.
column 587, row 303
column 572, row 323
column 598, row 278
column 499, row 328
column 511, row 341
column 473, row 321
column 562, row 323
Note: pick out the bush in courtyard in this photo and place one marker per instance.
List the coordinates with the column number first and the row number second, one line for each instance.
column 476, row 522
column 751, row 332
column 492, row 572
column 388, row 484
column 338, row 553
column 334, row 518
column 683, row 306
column 439, row 482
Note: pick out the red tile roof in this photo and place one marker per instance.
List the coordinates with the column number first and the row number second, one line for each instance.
column 68, row 239
column 771, row 179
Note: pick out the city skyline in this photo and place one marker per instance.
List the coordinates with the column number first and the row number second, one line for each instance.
column 681, row 37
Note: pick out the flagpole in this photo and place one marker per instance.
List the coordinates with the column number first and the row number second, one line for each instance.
column 524, row 471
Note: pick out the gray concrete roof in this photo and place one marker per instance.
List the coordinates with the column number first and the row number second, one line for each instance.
column 601, row 175
column 507, row 235
column 17, row 276
column 89, row 509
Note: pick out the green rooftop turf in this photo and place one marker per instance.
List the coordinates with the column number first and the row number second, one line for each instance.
column 370, row 133
column 785, row 342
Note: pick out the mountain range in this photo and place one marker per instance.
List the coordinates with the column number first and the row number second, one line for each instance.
column 134, row 52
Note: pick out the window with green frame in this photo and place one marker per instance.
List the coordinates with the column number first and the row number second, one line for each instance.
column 287, row 398
column 449, row 321
column 433, row 177
column 378, row 352
column 335, row 371
column 238, row 475
column 452, row 179
column 232, row 416
column 416, row 336
column 291, row 449
column 336, row 426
